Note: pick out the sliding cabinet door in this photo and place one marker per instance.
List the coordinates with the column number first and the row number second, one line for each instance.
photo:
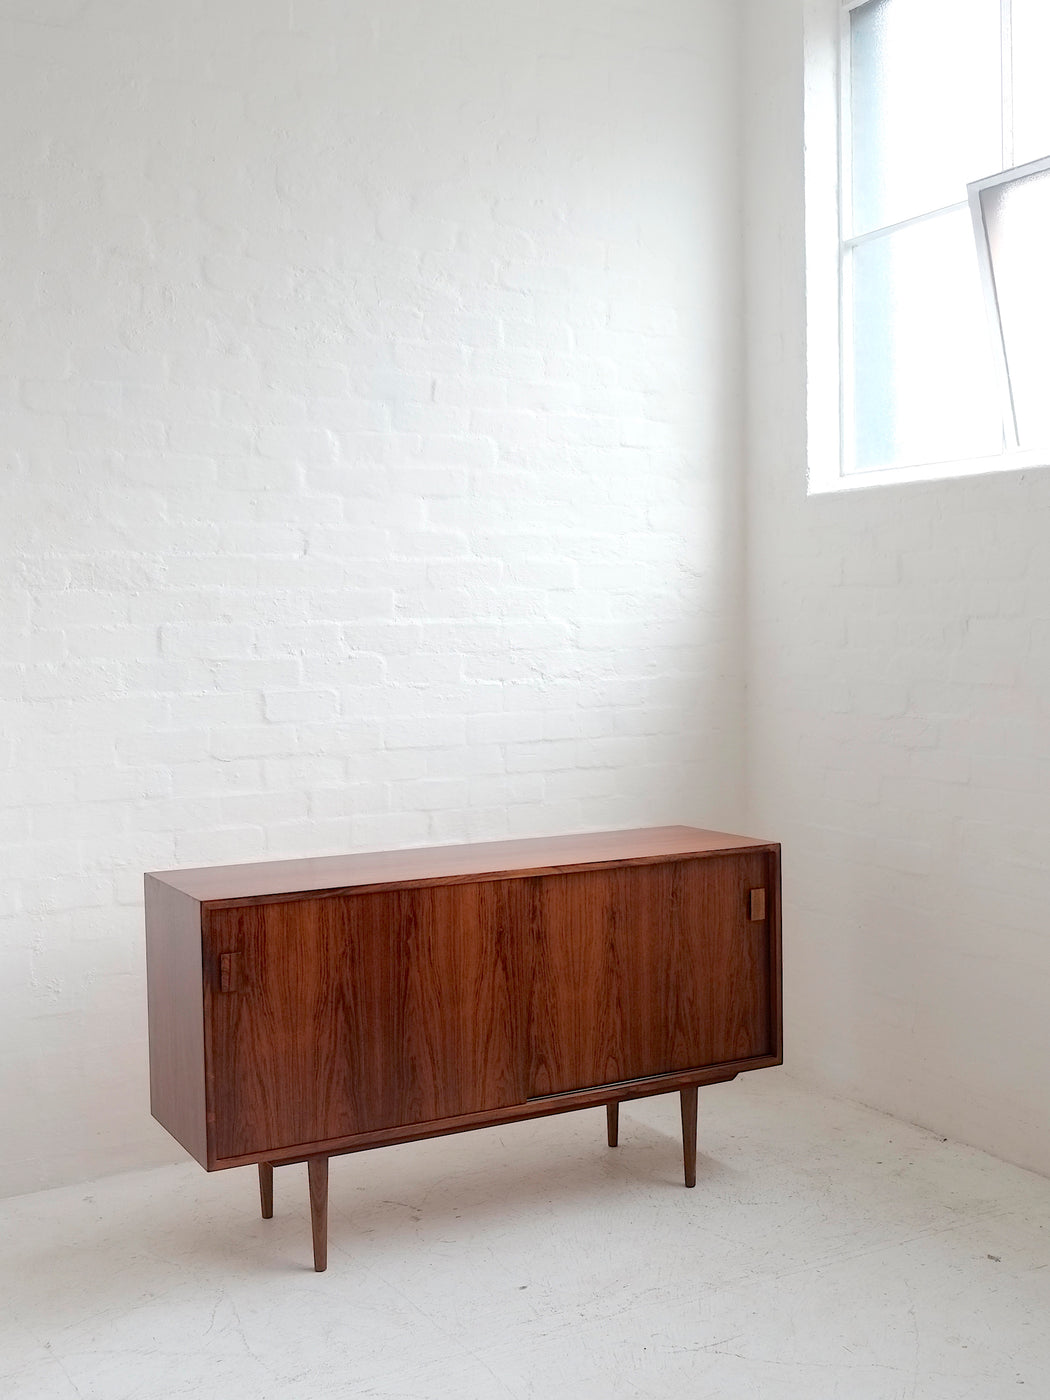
column 650, row 969
column 327, row 1017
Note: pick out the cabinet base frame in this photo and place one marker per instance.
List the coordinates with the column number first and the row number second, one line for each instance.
column 491, row 1118
column 317, row 1166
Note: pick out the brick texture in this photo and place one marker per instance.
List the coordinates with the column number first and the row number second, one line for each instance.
column 370, row 429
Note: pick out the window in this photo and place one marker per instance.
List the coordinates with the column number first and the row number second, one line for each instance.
column 938, row 96
column 1011, row 217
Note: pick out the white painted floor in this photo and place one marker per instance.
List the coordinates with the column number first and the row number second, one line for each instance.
column 826, row 1252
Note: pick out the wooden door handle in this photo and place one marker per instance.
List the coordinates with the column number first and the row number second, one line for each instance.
column 227, row 972
column 758, row 905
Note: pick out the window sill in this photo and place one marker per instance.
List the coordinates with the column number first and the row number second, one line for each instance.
column 826, row 484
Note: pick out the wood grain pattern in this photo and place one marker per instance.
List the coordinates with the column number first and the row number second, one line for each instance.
column 362, row 1013
column 266, row 1189
column 776, row 977
column 689, row 1106
column 429, row 993
column 496, row 1117
column 646, row 970
column 317, row 1169
column 176, row 1025
column 270, row 880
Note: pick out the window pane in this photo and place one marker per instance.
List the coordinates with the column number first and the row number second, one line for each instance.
column 926, row 82
column 922, row 387
column 1017, row 216
column 1031, row 51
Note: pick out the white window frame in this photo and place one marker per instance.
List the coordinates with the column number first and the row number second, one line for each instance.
column 991, row 298
column 827, row 187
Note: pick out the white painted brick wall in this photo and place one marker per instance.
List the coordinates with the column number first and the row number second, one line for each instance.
column 370, row 431
column 898, row 721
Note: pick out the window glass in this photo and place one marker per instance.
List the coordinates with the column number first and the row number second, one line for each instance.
column 1031, row 58
column 922, row 387
column 1017, row 217
column 926, row 85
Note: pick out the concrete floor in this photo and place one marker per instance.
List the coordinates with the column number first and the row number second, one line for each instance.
column 826, row 1252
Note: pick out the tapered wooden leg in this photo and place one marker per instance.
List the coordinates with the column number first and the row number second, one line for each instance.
column 318, row 1169
column 266, row 1189
column 612, row 1115
column 689, row 1134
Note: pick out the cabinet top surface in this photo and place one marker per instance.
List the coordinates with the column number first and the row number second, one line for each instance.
column 437, row 864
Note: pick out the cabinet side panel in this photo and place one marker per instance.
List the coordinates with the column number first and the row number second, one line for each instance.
column 776, row 989
column 176, row 1015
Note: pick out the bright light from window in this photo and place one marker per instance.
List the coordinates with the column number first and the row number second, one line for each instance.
column 1030, row 58
column 940, row 95
column 926, row 96
column 1013, row 215
column 923, row 386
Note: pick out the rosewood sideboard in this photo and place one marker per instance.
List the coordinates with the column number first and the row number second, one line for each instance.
column 303, row 1009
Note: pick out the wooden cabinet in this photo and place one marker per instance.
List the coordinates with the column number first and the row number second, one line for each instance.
column 304, row 1009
